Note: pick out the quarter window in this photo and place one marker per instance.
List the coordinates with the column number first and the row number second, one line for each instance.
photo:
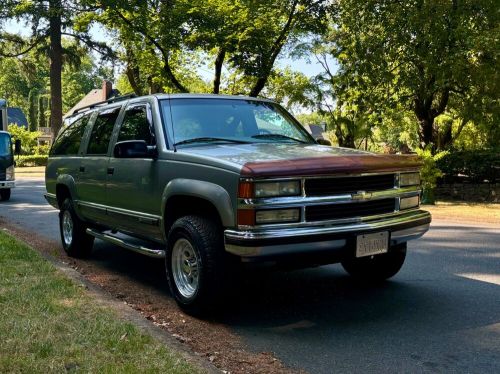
column 136, row 125
column 68, row 143
column 101, row 132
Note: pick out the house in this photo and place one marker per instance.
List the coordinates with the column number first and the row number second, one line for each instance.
column 95, row 96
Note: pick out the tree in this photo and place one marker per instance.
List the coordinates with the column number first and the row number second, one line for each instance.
column 162, row 41
column 428, row 56
column 32, row 110
column 49, row 21
column 41, row 112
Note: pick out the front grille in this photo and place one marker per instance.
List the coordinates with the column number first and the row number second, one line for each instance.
column 2, row 174
column 349, row 210
column 348, row 185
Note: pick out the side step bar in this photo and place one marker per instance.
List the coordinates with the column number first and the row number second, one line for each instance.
column 156, row 253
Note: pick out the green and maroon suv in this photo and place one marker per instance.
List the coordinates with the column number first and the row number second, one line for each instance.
column 209, row 181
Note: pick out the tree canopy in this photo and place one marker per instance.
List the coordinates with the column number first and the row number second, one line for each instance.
column 399, row 74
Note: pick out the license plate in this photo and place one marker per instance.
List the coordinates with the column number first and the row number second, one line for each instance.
column 372, row 244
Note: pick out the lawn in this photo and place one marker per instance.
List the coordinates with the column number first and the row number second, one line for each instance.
column 48, row 323
column 468, row 212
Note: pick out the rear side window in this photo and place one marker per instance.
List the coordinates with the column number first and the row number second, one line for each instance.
column 136, row 125
column 101, row 132
column 68, row 143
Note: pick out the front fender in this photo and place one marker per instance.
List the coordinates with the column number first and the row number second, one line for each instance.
column 211, row 192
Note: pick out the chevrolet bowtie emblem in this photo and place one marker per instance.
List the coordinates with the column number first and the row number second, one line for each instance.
column 361, row 195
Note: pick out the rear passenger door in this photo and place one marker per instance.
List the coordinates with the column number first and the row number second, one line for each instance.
column 93, row 169
column 133, row 188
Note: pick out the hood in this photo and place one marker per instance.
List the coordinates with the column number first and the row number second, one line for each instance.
column 277, row 160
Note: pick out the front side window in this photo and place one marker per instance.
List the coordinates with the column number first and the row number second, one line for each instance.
column 197, row 121
column 5, row 145
column 68, row 143
column 101, row 132
column 136, row 125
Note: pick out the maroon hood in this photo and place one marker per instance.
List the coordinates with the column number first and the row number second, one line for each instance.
column 332, row 164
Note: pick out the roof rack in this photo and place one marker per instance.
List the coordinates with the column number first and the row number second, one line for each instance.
column 109, row 101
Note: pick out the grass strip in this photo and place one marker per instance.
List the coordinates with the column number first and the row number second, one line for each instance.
column 50, row 324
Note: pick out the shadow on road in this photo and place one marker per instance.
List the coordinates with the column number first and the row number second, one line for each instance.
column 422, row 317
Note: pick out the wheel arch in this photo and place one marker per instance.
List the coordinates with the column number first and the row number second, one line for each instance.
column 187, row 196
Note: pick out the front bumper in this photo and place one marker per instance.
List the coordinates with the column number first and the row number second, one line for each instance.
column 7, row 184
column 275, row 242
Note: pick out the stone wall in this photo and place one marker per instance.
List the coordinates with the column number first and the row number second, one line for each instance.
column 483, row 192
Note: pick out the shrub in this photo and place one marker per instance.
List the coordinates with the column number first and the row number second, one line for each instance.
column 429, row 173
column 31, row 160
column 477, row 166
column 28, row 139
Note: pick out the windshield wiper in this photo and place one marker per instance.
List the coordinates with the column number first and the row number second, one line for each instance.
column 276, row 136
column 209, row 139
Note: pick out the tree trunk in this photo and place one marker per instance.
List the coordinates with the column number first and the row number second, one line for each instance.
column 55, row 65
column 218, row 69
column 426, row 131
column 278, row 45
column 133, row 72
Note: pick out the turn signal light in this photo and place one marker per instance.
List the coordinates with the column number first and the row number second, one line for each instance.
column 245, row 190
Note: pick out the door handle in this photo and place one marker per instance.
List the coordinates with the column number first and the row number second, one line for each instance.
column 82, row 169
column 111, row 171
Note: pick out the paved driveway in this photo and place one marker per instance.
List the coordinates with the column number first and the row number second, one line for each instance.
column 441, row 313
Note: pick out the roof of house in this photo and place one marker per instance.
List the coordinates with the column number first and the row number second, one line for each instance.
column 16, row 115
column 94, row 96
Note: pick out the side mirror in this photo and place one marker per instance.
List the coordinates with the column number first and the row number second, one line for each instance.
column 323, row 141
column 17, row 147
column 134, row 149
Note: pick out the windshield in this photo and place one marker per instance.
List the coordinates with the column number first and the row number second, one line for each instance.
column 5, row 145
column 201, row 121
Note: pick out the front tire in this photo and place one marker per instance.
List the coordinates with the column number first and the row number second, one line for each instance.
column 75, row 240
column 195, row 263
column 5, row 194
column 377, row 268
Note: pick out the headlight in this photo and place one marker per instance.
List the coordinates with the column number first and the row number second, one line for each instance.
column 409, row 179
column 277, row 216
column 408, row 202
column 10, row 175
column 271, row 189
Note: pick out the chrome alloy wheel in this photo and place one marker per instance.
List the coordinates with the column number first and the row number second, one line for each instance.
column 185, row 268
column 67, row 228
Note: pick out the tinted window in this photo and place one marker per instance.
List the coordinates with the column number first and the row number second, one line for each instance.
column 101, row 132
column 136, row 126
column 5, row 146
column 68, row 143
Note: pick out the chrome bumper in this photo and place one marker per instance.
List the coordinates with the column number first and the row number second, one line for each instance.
column 7, row 184
column 262, row 242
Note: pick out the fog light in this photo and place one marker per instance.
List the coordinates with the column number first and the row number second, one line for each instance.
column 409, row 202
column 277, row 216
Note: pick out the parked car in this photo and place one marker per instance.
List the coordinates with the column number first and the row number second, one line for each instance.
column 7, row 163
column 208, row 181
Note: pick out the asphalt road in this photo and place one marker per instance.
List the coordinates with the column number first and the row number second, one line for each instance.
column 441, row 313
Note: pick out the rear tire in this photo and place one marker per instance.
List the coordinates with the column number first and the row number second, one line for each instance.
column 195, row 264
column 75, row 240
column 5, row 194
column 377, row 268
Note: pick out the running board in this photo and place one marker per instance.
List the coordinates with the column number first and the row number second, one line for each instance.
column 156, row 253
